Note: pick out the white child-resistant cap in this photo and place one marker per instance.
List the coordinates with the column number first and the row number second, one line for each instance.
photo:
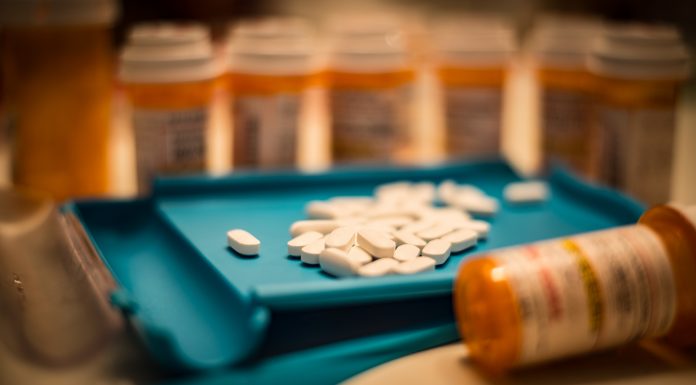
column 472, row 40
column 564, row 41
column 57, row 12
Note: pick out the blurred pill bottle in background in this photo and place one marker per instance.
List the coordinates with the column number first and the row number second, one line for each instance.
column 641, row 70
column 169, row 75
column 370, row 79
column 57, row 63
column 271, row 66
column 472, row 56
column 559, row 47
column 552, row 299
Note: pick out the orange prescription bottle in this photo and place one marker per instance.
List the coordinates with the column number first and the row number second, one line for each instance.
column 640, row 69
column 57, row 77
column 169, row 75
column 559, row 47
column 472, row 59
column 270, row 69
column 370, row 80
column 556, row 298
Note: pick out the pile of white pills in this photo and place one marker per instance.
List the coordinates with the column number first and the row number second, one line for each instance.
column 405, row 228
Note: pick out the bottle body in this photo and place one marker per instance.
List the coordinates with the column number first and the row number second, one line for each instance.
column 562, row 297
column 58, row 82
column 370, row 114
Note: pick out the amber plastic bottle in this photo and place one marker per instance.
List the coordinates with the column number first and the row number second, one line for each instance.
column 567, row 296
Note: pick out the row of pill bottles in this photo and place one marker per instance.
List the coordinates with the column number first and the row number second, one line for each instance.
column 271, row 66
column 640, row 70
column 560, row 46
column 170, row 76
column 472, row 57
column 57, row 65
column 370, row 78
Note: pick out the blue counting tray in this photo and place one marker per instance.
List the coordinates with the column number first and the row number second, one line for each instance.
column 198, row 305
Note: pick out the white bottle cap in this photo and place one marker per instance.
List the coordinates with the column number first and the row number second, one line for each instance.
column 564, row 41
column 57, row 12
column 636, row 51
column 271, row 28
column 167, row 53
column 473, row 41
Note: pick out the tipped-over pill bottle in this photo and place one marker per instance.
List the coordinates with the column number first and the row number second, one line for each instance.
column 57, row 76
column 641, row 70
column 271, row 67
column 169, row 75
column 472, row 57
column 370, row 79
column 562, row 297
column 559, row 47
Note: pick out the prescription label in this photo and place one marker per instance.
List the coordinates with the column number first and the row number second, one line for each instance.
column 566, row 123
column 637, row 151
column 473, row 117
column 590, row 292
column 169, row 142
column 369, row 125
column 265, row 130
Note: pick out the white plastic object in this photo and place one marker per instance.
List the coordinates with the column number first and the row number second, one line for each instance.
column 526, row 192
column 323, row 226
column 357, row 254
column 437, row 249
column 403, row 237
column 296, row 244
column 378, row 244
column 406, row 252
column 336, row 262
column 310, row 253
column 378, row 268
column 341, row 238
column 482, row 228
column 243, row 242
column 414, row 266
column 324, row 210
column 437, row 231
column 461, row 239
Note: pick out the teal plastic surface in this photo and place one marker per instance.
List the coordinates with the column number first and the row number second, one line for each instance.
column 198, row 305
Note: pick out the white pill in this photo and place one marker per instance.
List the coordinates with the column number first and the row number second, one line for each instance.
column 352, row 200
column 438, row 250
column 310, row 253
column 376, row 243
column 406, row 252
column 387, row 211
column 419, row 225
column 243, row 242
column 448, row 214
column 446, row 191
column 390, row 192
column 461, row 239
column 323, row 226
column 378, row 268
column 482, row 228
column 341, row 238
column 395, row 221
column 526, row 192
column 356, row 253
column 296, row 244
column 414, row 266
column 324, row 210
column 403, row 237
column 423, row 192
column 337, row 263
column 480, row 205
column 437, row 231
column 387, row 231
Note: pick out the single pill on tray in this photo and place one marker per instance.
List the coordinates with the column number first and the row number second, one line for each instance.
column 419, row 225
column 357, row 254
column 296, row 244
column 482, row 228
column 323, row 210
column 481, row 205
column 404, row 237
column 341, row 238
column 414, row 266
column 310, row 253
column 446, row 191
column 378, row 244
column 461, row 239
column 423, row 192
column 406, row 252
column 337, row 263
column 437, row 231
column 323, row 226
column 437, row 249
column 243, row 242
column 526, row 192
column 395, row 191
column 378, row 268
